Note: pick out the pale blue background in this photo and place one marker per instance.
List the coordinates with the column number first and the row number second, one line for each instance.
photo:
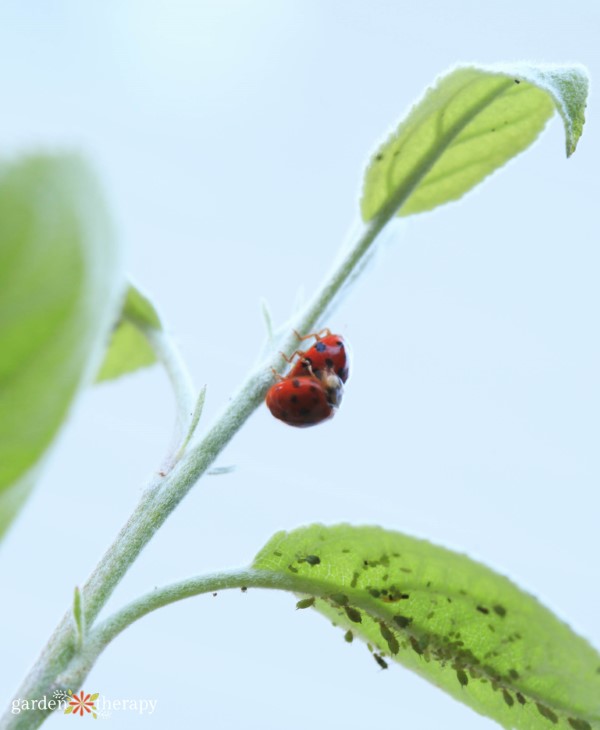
column 231, row 137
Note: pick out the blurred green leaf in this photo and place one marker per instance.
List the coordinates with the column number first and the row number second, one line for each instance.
column 471, row 122
column 140, row 310
column 457, row 623
column 129, row 349
column 60, row 287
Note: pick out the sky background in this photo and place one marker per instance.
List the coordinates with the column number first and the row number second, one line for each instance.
column 231, row 137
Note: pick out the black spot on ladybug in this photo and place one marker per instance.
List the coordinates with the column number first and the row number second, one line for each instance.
column 296, row 383
column 315, row 400
column 329, row 362
column 294, row 399
column 284, row 416
column 547, row 713
column 304, row 411
column 508, row 698
column 483, row 609
column 320, row 347
column 500, row 610
column 314, row 388
column 340, row 344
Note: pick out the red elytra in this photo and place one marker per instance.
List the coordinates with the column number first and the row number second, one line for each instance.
column 302, row 401
column 328, row 354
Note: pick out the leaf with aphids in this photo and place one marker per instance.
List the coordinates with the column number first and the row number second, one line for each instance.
column 454, row 621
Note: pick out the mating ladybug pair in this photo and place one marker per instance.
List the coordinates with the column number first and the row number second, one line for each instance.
column 312, row 391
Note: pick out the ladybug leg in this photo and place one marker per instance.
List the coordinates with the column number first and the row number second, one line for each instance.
column 311, row 372
column 292, row 356
column 317, row 335
column 276, row 375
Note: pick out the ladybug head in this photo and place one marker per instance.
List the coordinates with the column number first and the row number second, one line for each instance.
column 334, row 388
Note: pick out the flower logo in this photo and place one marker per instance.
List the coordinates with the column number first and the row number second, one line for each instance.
column 82, row 703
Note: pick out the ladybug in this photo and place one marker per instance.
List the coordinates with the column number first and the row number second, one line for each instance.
column 328, row 354
column 305, row 400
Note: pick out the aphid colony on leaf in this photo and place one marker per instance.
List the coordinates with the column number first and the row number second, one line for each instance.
column 312, row 390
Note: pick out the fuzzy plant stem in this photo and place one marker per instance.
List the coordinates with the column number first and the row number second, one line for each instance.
column 167, row 490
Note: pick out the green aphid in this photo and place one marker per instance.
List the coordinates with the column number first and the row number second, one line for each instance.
column 340, row 598
column 547, row 713
column 391, row 640
column 306, row 602
column 402, row 621
column 353, row 614
column 508, row 698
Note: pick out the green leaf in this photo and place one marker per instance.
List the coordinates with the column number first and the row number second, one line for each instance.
column 60, row 287
column 79, row 616
column 457, row 623
column 471, row 122
column 140, row 310
column 129, row 349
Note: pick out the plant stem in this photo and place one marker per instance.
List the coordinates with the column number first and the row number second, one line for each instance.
column 162, row 496
column 105, row 632
column 181, row 380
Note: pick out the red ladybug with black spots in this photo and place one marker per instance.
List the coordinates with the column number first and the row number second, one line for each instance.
column 328, row 354
column 304, row 401
column 312, row 391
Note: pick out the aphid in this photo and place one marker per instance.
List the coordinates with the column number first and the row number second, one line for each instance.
column 329, row 354
column 380, row 660
column 353, row 614
column 306, row 602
